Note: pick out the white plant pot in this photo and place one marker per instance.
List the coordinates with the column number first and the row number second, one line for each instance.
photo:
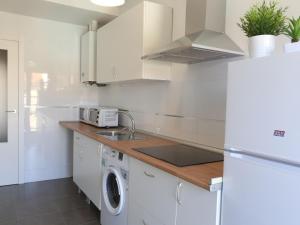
column 261, row 45
column 292, row 47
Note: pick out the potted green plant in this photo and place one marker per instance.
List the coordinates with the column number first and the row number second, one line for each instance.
column 261, row 24
column 293, row 32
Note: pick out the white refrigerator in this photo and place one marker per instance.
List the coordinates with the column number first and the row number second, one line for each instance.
column 262, row 144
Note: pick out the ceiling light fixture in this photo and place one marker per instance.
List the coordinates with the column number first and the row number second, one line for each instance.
column 108, row 3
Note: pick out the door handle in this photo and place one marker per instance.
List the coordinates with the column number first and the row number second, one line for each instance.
column 178, row 193
column 11, row 111
column 149, row 174
column 99, row 149
column 80, row 154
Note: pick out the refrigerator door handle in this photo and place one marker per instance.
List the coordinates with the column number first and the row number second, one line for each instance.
column 239, row 154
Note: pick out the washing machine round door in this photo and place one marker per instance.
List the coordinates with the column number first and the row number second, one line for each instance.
column 113, row 191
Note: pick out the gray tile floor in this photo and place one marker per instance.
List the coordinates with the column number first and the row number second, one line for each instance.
column 53, row 202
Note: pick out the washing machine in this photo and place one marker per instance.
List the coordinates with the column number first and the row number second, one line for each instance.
column 114, row 197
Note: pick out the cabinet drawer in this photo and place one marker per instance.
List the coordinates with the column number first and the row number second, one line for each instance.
column 154, row 190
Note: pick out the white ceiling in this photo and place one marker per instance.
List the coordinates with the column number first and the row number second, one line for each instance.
column 86, row 4
column 131, row 3
column 80, row 12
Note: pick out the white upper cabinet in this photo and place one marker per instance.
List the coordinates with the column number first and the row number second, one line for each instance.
column 122, row 42
column 88, row 57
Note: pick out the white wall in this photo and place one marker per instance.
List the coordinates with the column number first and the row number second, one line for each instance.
column 52, row 91
column 236, row 9
column 197, row 93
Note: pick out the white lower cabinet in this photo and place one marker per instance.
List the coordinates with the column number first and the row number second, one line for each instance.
column 158, row 198
column 77, row 161
column 138, row 215
column 155, row 197
column 197, row 206
column 87, row 157
column 152, row 195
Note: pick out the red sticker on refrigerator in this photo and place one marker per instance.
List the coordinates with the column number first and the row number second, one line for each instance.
column 279, row 133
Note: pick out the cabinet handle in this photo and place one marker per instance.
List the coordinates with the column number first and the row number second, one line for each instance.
column 82, row 74
column 99, row 149
column 11, row 111
column 80, row 154
column 178, row 193
column 149, row 174
column 144, row 222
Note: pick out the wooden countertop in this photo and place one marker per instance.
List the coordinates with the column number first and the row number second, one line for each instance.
column 207, row 176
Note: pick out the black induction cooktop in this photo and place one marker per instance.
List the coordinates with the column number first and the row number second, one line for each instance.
column 182, row 155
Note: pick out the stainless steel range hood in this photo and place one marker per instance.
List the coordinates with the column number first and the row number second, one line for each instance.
column 205, row 37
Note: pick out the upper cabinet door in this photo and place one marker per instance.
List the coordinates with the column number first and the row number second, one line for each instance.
column 107, row 54
column 197, row 206
column 122, row 43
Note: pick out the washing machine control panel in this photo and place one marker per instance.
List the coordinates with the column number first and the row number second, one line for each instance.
column 120, row 156
column 115, row 157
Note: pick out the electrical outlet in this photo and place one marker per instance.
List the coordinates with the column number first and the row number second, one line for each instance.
column 158, row 130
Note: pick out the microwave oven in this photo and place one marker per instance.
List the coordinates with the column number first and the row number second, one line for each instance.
column 99, row 116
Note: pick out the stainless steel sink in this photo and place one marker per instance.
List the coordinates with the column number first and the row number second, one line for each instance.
column 112, row 133
column 120, row 135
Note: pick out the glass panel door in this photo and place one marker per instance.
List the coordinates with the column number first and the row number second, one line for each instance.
column 9, row 117
column 3, row 96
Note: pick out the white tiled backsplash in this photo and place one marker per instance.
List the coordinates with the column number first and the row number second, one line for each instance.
column 190, row 107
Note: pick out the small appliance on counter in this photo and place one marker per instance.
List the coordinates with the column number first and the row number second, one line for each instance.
column 99, row 116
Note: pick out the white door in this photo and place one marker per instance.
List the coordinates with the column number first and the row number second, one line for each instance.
column 259, row 192
column 92, row 170
column 154, row 190
column 9, row 138
column 197, row 206
column 263, row 107
column 107, row 53
column 78, row 160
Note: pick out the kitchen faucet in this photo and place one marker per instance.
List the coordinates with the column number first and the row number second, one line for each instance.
column 126, row 113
